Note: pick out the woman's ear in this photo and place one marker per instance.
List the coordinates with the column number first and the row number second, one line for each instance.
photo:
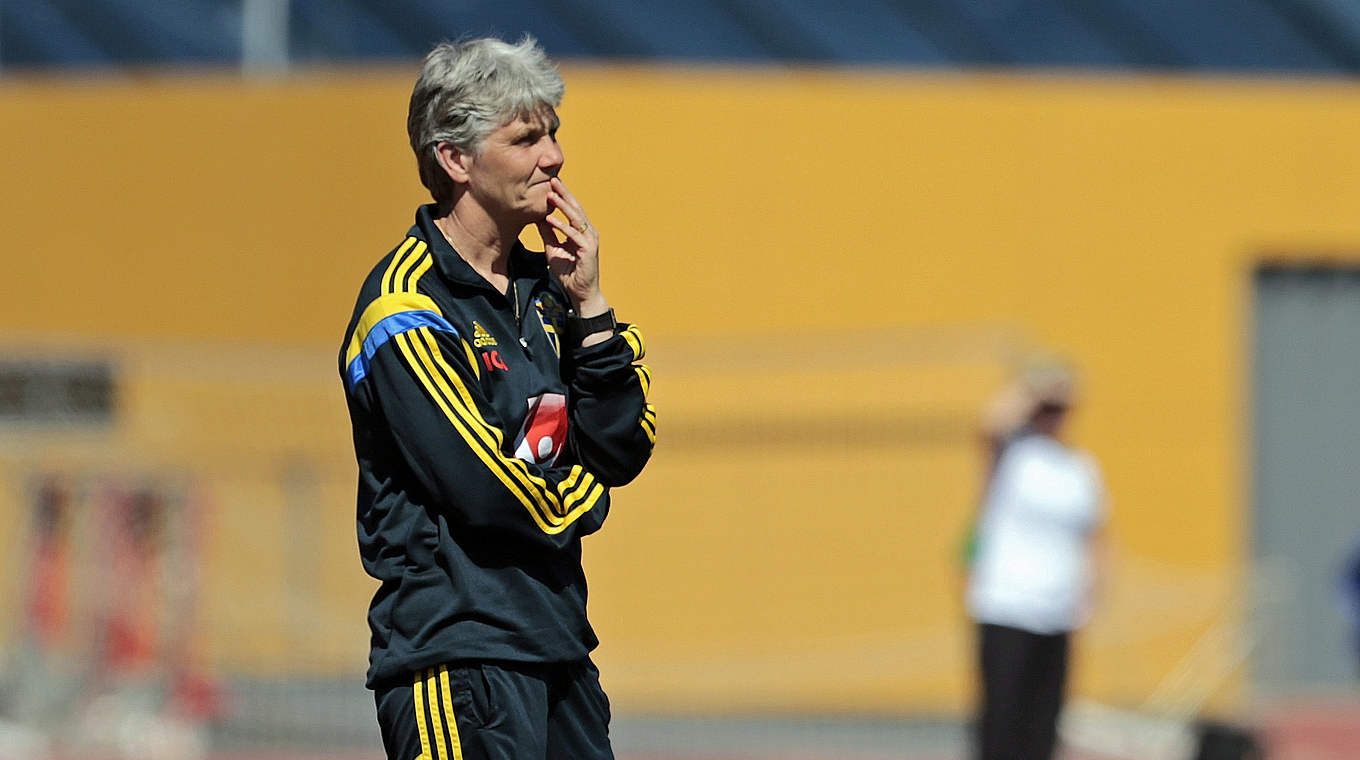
column 454, row 161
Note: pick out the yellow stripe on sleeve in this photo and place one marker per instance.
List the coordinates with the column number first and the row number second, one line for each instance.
column 642, row 342
column 567, row 484
column 575, row 510
column 424, row 266
column 577, row 479
column 644, row 378
column 592, row 498
column 472, row 359
column 634, row 343
column 392, row 265
column 648, row 423
column 404, row 268
column 463, row 394
column 579, row 493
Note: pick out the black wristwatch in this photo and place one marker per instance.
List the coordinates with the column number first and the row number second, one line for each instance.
column 578, row 328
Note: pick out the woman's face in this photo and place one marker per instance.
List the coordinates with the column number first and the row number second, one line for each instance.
column 509, row 175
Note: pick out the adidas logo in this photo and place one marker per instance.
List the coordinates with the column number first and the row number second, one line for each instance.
column 480, row 337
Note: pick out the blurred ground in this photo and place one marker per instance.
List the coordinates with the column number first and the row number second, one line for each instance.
column 1312, row 729
column 1315, row 729
column 1304, row 729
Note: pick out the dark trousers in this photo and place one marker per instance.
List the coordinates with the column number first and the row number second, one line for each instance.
column 497, row 711
column 1023, row 679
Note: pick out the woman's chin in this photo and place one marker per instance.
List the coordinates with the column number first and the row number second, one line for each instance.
column 537, row 212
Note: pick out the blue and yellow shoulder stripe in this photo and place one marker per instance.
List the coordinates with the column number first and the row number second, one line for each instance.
column 398, row 308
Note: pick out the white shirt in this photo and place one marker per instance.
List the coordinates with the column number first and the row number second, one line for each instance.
column 1032, row 569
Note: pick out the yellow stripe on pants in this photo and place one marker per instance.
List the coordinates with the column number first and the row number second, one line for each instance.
column 418, row 696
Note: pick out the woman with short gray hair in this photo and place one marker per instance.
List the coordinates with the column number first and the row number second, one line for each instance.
column 467, row 90
column 494, row 401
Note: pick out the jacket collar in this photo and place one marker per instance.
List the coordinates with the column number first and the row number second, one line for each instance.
column 525, row 264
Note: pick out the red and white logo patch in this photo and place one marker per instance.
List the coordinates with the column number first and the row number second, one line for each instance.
column 545, row 430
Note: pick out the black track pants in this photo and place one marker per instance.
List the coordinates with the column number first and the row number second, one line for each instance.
column 497, row 711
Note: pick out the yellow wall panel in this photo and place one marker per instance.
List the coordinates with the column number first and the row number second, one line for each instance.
column 834, row 269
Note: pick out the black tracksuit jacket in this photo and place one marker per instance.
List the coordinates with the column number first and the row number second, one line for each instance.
column 486, row 450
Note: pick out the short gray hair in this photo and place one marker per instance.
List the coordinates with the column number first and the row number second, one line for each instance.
column 467, row 90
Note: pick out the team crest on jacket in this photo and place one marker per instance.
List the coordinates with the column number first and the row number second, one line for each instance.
column 544, row 434
column 553, row 316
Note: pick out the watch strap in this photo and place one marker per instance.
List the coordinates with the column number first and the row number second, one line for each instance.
column 578, row 328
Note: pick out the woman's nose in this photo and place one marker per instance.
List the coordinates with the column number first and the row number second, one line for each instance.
column 551, row 156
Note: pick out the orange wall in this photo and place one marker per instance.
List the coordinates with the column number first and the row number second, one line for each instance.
column 848, row 259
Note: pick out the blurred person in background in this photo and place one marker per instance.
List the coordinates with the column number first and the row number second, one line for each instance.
column 1032, row 564
column 494, row 402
